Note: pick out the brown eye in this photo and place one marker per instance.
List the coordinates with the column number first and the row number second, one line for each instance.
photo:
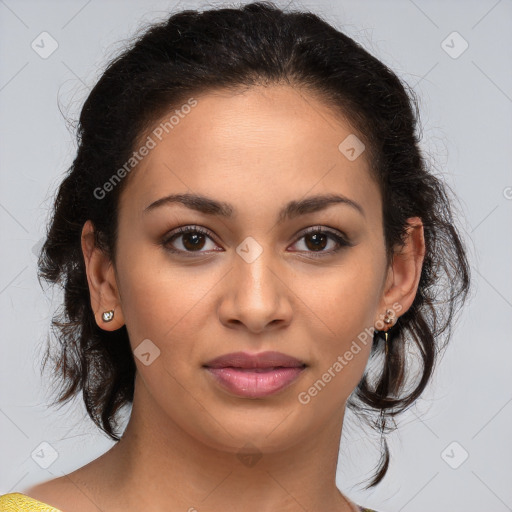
column 191, row 238
column 317, row 241
column 193, row 241
column 318, row 238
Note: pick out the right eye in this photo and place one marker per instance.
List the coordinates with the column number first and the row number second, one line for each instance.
column 192, row 240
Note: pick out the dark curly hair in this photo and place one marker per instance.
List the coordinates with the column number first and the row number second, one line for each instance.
column 193, row 52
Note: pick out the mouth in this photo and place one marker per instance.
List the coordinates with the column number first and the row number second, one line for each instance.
column 255, row 375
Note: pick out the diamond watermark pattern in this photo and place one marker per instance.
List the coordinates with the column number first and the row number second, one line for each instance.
column 249, row 455
column 249, row 249
column 454, row 455
column 44, row 45
column 351, row 147
column 36, row 248
column 454, row 45
column 44, row 454
column 146, row 352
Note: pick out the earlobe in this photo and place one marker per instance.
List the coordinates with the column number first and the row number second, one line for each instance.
column 103, row 290
column 111, row 319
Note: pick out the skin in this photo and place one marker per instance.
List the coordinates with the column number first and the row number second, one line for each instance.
column 256, row 150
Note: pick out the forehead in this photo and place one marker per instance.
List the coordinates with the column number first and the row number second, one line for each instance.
column 264, row 143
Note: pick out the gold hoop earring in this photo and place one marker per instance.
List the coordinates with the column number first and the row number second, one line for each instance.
column 108, row 316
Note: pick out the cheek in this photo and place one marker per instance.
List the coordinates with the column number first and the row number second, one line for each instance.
column 348, row 297
column 346, row 307
column 164, row 303
column 152, row 292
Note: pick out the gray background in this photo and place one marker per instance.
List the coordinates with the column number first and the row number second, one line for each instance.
column 466, row 107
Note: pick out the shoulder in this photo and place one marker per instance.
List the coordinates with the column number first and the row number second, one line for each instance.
column 19, row 502
column 50, row 496
column 68, row 493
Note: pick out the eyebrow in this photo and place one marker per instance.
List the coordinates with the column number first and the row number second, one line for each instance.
column 209, row 206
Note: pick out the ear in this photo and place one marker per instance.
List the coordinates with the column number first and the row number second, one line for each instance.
column 102, row 281
column 405, row 271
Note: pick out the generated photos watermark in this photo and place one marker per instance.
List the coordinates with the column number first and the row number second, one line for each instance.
column 151, row 142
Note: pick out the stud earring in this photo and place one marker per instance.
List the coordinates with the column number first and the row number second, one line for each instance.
column 108, row 315
column 388, row 320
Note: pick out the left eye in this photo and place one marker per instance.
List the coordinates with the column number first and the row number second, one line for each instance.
column 317, row 238
column 193, row 240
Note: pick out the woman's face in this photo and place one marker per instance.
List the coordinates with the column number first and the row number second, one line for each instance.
column 256, row 281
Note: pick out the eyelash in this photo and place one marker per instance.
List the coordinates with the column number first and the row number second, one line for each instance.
column 340, row 240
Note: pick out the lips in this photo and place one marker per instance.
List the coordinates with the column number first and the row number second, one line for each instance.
column 254, row 375
column 261, row 360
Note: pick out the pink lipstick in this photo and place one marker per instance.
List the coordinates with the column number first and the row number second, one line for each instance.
column 255, row 375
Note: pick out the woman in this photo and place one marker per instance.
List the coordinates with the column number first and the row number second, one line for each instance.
column 249, row 241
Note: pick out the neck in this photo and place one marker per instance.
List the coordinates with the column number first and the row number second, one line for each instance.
column 157, row 465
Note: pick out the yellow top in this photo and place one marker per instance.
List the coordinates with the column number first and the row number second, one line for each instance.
column 18, row 502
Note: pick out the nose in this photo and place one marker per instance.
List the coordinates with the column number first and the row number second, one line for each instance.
column 256, row 296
